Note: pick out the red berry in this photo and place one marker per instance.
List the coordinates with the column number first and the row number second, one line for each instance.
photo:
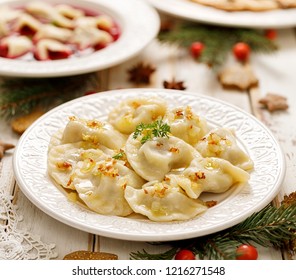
column 196, row 49
column 271, row 34
column 184, row 255
column 241, row 51
column 246, row 252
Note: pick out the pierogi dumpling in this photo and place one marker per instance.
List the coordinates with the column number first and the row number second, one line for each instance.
column 131, row 112
column 222, row 143
column 101, row 185
column 161, row 202
column 212, row 175
column 185, row 124
column 93, row 131
column 158, row 156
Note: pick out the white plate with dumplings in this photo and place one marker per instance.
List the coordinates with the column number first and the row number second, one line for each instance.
column 63, row 37
column 156, row 203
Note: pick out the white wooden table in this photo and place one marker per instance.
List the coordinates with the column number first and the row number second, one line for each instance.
column 276, row 73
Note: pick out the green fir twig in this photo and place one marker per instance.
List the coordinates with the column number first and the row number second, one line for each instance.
column 270, row 227
column 20, row 95
column 218, row 40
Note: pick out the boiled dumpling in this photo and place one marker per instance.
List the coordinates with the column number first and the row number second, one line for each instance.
column 131, row 112
column 69, row 11
column 88, row 36
column 47, row 11
column 221, row 142
column 50, row 49
column 48, row 31
column 93, row 131
column 185, row 124
column 212, row 175
column 8, row 15
column 15, row 46
column 161, row 202
column 158, row 156
column 101, row 185
column 63, row 160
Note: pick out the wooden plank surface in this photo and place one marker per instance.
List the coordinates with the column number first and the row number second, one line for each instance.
column 276, row 73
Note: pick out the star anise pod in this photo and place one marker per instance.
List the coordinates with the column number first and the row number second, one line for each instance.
column 141, row 73
column 173, row 84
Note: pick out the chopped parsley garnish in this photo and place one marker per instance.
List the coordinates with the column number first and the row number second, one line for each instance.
column 120, row 155
column 148, row 131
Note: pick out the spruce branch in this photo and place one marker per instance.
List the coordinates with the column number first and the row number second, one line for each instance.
column 270, row 227
column 20, row 96
column 218, row 40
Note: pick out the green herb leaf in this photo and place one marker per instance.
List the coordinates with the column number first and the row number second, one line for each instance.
column 120, row 155
column 155, row 129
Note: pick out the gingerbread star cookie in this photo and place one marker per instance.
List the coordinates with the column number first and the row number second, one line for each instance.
column 20, row 124
column 88, row 255
column 4, row 147
column 238, row 76
column 274, row 102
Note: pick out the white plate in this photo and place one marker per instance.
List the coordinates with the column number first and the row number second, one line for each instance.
column 30, row 167
column 193, row 11
column 138, row 29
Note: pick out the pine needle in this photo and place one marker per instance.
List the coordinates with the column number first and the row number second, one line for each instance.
column 218, row 40
column 20, row 96
column 270, row 227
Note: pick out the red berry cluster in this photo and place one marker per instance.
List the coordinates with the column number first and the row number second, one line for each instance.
column 243, row 252
column 241, row 50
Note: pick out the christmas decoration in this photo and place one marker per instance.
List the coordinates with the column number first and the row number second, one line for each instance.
column 270, row 227
column 22, row 96
column 184, row 255
column 274, row 102
column 246, row 252
column 218, row 41
column 173, row 84
column 88, row 255
column 4, row 147
column 238, row 76
column 21, row 123
column 290, row 245
column 141, row 73
column 271, row 34
column 241, row 51
column 196, row 49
